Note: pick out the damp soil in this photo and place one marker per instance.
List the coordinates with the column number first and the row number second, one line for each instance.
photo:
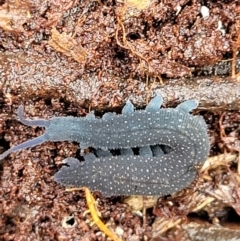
column 71, row 57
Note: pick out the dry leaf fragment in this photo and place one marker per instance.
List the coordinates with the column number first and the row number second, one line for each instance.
column 65, row 44
column 138, row 4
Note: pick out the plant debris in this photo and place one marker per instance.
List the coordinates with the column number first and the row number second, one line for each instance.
column 69, row 57
column 67, row 45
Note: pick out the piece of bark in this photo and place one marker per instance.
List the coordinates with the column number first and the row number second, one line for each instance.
column 195, row 231
column 27, row 77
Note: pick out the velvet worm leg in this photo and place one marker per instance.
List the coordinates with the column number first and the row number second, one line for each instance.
column 102, row 153
column 188, row 105
column 127, row 109
column 153, row 106
column 145, row 151
column 126, row 152
column 157, row 150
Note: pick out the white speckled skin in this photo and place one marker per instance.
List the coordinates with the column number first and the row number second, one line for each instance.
column 145, row 174
column 128, row 174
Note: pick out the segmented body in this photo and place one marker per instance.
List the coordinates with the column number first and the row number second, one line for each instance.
column 129, row 174
column 145, row 175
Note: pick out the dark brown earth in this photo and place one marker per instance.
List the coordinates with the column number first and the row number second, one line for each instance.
column 70, row 57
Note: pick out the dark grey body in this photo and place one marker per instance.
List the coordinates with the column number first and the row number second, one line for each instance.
column 137, row 129
column 128, row 175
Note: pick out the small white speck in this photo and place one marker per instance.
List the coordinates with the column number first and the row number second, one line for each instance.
column 205, row 11
column 179, row 8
